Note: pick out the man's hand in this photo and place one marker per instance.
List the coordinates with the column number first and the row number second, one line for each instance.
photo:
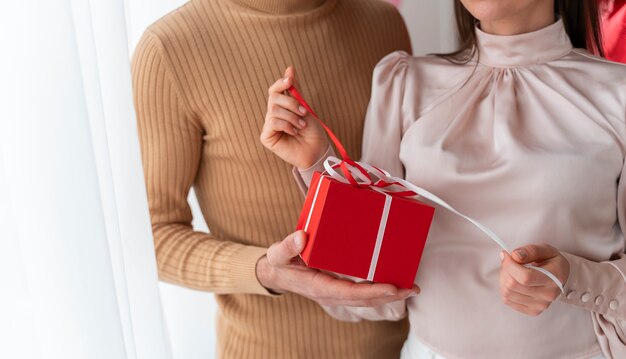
column 526, row 290
column 282, row 270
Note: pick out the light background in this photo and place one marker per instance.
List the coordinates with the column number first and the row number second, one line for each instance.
column 190, row 316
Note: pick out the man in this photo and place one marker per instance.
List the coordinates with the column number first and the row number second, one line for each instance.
column 200, row 77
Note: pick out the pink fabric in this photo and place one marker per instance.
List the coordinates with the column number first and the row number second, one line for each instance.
column 531, row 142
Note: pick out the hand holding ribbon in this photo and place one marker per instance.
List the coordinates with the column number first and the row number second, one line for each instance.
column 526, row 290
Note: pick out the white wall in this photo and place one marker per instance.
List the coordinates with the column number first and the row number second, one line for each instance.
column 190, row 315
column 431, row 25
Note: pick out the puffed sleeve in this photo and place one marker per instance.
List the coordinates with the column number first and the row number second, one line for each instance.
column 386, row 119
column 600, row 287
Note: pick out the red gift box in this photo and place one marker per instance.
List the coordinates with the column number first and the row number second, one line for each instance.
column 363, row 232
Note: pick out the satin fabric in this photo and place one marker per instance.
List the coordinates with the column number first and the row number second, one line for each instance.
column 529, row 139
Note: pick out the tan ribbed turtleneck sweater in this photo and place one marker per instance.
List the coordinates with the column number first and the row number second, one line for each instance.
column 200, row 83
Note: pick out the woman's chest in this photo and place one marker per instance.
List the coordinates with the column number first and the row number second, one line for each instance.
column 514, row 151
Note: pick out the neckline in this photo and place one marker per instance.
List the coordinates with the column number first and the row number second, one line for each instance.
column 531, row 48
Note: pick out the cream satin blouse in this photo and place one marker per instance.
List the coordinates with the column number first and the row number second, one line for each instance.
column 530, row 141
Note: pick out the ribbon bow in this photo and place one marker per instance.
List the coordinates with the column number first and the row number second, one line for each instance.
column 363, row 175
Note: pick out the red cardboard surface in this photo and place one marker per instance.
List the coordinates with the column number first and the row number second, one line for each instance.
column 343, row 227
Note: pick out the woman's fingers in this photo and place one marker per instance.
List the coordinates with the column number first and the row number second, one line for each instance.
column 283, row 120
column 283, row 84
column 286, row 115
column 509, row 284
column 524, row 309
column 524, row 276
column 278, row 125
column 525, row 304
column 331, row 291
column 278, row 100
column 273, row 129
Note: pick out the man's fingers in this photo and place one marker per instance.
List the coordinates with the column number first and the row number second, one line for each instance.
column 328, row 290
column 283, row 252
column 325, row 286
column 524, row 276
column 401, row 294
column 534, row 253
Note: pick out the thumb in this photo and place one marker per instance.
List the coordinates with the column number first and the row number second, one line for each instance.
column 534, row 253
column 283, row 252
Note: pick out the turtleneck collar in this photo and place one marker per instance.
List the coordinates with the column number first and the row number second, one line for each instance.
column 537, row 47
column 282, row 7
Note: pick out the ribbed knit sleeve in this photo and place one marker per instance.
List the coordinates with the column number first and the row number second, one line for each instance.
column 171, row 143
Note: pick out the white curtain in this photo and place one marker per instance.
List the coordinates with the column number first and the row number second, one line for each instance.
column 77, row 269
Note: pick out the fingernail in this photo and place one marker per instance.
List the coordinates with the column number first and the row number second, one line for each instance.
column 302, row 123
column 501, row 256
column 521, row 254
column 302, row 110
column 298, row 241
column 286, row 79
column 389, row 293
column 412, row 295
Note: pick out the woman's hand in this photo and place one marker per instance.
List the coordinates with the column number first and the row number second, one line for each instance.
column 289, row 131
column 526, row 290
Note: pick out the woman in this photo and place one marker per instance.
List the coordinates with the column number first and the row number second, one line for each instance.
column 525, row 132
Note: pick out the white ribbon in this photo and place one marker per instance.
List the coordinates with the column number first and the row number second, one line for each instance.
column 380, row 236
column 361, row 179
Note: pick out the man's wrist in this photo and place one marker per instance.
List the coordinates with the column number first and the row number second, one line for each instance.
column 264, row 273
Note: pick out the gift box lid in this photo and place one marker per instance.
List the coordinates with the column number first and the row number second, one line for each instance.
column 344, row 224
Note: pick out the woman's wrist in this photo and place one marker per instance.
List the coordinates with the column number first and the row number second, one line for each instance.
column 318, row 163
